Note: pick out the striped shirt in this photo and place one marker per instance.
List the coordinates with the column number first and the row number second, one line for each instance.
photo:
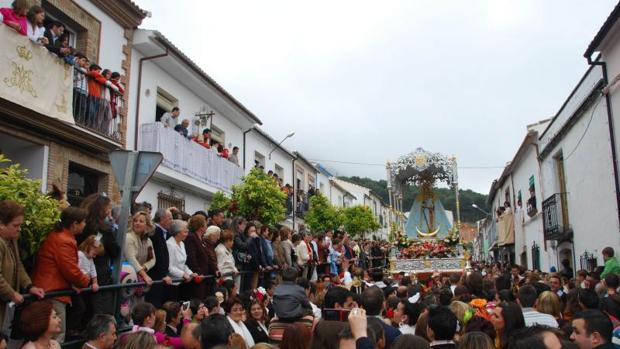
column 533, row 317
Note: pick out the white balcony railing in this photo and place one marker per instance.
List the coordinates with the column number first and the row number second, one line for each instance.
column 190, row 158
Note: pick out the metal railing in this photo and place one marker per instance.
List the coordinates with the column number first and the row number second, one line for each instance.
column 555, row 217
column 118, row 287
column 97, row 104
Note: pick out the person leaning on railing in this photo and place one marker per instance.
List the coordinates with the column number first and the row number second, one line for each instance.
column 13, row 276
column 56, row 266
column 138, row 246
column 15, row 16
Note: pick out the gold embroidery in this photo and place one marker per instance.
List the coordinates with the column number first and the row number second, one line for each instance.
column 22, row 79
column 23, row 52
column 62, row 107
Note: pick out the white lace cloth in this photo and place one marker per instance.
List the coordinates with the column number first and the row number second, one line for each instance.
column 190, row 158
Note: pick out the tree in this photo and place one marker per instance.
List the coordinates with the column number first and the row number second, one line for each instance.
column 221, row 202
column 259, row 198
column 41, row 211
column 359, row 219
column 322, row 215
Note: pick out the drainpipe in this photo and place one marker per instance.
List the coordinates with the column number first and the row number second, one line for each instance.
column 612, row 137
column 294, row 193
column 244, row 134
column 137, row 126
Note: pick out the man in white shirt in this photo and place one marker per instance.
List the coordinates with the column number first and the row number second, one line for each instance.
column 171, row 118
column 527, row 299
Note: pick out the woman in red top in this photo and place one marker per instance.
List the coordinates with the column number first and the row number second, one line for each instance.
column 57, row 266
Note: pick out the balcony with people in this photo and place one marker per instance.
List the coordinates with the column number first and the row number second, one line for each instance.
column 45, row 75
column 192, row 154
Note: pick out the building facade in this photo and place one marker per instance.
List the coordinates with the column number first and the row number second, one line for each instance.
column 60, row 141
column 190, row 174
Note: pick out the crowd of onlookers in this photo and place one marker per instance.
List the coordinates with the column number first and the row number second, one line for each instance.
column 211, row 281
column 97, row 92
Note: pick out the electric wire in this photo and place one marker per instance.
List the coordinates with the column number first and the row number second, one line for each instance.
column 584, row 131
column 383, row 165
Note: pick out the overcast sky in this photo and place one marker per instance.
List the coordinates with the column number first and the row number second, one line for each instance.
column 369, row 81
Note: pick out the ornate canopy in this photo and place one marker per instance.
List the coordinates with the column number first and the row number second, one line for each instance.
column 421, row 165
column 421, row 168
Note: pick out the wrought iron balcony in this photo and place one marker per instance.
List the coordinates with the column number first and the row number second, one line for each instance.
column 36, row 82
column 555, row 218
column 97, row 104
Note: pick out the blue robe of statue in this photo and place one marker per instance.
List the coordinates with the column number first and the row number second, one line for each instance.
column 427, row 216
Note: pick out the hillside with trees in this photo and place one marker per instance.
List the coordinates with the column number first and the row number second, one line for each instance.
column 446, row 196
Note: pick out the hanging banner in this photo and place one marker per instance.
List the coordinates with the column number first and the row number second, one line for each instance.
column 33, row 77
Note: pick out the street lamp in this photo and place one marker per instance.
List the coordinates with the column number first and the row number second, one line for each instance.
column 291, row 134
column 479, row 209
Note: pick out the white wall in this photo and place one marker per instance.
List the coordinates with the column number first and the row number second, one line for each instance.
column 323, row 184
column 529, row 229
column 336, row 196
column 589, row 182
column 357, row 191
column 189, row 103
column 30, row 156
column 193, row 202
column 256, row 142
column 308, row 172
column 610, row 54
column 112, row 38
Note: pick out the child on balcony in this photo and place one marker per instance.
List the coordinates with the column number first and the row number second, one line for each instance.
column 96, row 116
column 80, row 87
column 15, row 17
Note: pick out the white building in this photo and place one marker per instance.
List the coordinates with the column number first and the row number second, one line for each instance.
column 328, row 186
column 519, row 185
column 577, row 193
column 263, row 150
column 607, row 44
column 366, row 197
column 580, row 209
column 165, row 78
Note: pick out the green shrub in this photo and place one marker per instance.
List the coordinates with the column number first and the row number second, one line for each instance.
column 42, row 212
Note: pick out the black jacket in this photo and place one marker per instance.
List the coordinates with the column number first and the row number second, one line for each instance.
column 52, row 46
column 162, row 259
column 258, row 334
column 290, row 300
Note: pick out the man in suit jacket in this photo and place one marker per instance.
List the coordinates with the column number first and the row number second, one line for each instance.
column 54, row 42
column 163, row 221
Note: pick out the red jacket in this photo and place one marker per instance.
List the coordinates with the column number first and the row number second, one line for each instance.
column 96, row 82
column 56, row 266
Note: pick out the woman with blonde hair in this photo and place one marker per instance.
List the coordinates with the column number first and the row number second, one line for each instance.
column 138, row 247
column 463, row 312
column 140, row 340
column 549, row 303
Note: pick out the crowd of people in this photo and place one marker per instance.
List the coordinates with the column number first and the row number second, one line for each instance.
column 211, row 281
column 97, row 92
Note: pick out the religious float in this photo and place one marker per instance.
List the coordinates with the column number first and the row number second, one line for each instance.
column 431, row 241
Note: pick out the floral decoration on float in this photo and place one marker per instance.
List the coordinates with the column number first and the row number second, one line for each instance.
column 428, row 248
